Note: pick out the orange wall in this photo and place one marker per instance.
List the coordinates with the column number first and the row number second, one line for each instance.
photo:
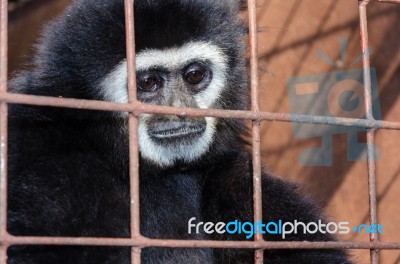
column 293, row 32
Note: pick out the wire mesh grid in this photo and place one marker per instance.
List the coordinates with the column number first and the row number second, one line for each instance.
column 135, row 108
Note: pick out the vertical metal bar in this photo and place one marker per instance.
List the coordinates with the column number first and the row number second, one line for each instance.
column 372, row 193
column 3, row 128
column 255, row 107
column 136, row 256
column 366, row 63
column 3, row 254
column 133, row 124
column 3, row 161
column 130, row 50
column 3, row 120
column 371, row 133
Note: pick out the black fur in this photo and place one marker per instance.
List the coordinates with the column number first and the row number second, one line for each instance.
column 69, row 168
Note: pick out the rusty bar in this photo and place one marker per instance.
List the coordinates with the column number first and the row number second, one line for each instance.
column 130, row 50
column 366, row 62
column 26, row 99
column 133, row 121
column 145, row 242
column 140, row 108
column 134, row 173
column 255, row 107
column 3, row 128
column 3, row 254
column 133, row 124
column 3, row 117
column 136, row 255
column 372, row 193
column 3, row 169
column 371, row 132
column 390, row 1
column 3, row 45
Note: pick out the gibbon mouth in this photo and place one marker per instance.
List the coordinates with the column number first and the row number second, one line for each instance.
column 176, row 130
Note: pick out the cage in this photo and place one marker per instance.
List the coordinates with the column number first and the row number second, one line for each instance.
column 301, row 36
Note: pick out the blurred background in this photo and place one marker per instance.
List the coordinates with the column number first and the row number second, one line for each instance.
column 307, row 50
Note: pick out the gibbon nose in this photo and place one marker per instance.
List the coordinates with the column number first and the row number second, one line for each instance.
column 181, row 98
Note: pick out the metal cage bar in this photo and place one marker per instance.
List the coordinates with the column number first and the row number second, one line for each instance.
column 140, row 108
column 371, row 132
column 133, row 124
column 175, row 243
column 134, row 108
column 3, row 129
column 390, row 1
column 256, row 137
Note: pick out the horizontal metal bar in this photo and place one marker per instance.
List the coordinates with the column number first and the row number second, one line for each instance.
column 390, row 1
column 140, row 108
column 142, row 242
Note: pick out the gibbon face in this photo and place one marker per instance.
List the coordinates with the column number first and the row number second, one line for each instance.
column 192, row 75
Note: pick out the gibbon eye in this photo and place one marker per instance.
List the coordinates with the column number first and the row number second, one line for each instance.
column 194, row 74
column 149, row 83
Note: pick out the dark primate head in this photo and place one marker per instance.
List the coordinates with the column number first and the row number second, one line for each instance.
column 189, row 54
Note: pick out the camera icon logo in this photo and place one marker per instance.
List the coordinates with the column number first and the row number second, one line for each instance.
column 338, row 94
